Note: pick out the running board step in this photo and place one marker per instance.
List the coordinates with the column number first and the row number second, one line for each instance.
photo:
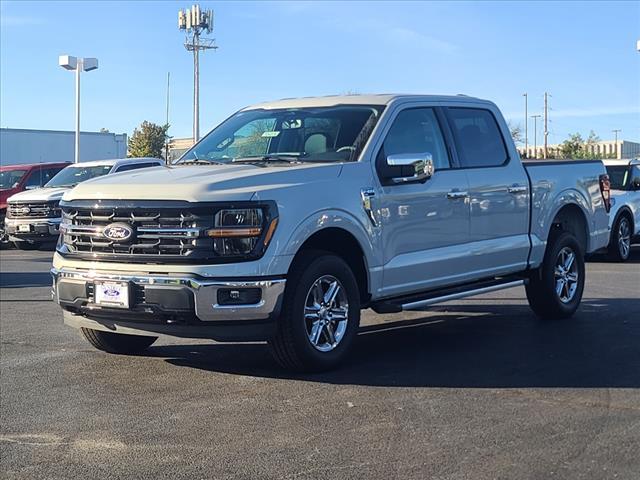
column 417, row 301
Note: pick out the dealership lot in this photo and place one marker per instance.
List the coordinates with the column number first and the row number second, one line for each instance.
column 472, row 389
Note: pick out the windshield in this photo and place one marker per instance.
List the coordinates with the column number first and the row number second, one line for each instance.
column 9, row 178
column 72, row 175
column 619, row 176
column 328, row 134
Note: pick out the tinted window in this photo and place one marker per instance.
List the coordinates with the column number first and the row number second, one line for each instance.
column 417, row 131
column 9, row 178
column 478, row 137
column 619, row 176
column 135, row 166
column 34, row 179
column 74, row 174
column 49, row 173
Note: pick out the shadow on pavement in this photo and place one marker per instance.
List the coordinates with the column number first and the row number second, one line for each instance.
column 25, row 279
column 485, row 346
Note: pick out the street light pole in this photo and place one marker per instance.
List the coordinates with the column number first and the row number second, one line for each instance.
column 78, row 65
column 535, row 135
column 77, row 139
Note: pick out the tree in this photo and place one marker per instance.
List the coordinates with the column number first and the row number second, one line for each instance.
column 516, row 133
column 149, row 140
column 572, row 147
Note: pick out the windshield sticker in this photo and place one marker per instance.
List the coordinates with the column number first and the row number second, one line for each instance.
column 271, row 134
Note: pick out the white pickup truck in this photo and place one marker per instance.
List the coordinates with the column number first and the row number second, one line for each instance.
column 290, row 217
column 625, row 207
column 33, row 216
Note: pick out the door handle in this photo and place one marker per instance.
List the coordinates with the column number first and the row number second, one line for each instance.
column 517, row 189
column 456, row 195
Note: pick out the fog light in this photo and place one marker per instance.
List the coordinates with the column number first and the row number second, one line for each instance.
column 239, row 296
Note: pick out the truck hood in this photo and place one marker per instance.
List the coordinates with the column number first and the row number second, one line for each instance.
column 39, row 195
column 201, row 183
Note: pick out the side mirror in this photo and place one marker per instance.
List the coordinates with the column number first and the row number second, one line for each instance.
column 409, row 167
column 635, row 183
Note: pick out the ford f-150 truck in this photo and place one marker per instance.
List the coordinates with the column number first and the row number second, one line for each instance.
column 17, row 178
column 33, row 216
column 290, row 217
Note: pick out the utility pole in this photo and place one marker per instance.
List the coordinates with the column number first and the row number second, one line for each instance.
column 616, row 131
column 195, row 22
column 535, row 135
column 546, row 120
column 166, row 143
column 526, row 125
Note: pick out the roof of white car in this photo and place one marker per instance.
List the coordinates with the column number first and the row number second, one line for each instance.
column 116, row 161
column 375, row 99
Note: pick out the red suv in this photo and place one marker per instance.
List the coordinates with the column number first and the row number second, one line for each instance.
column 16, row 178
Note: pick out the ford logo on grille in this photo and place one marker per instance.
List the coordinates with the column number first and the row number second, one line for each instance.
column 118, row 232
column 24, row 211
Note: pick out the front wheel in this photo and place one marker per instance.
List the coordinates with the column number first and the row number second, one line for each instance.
column 117, row 342
column 620, row 243
column 320, row 314
column 555, row 289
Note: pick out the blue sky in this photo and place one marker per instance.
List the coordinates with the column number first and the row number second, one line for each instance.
column 582, row 53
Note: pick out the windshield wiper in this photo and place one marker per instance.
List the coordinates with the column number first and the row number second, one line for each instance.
column 268, row 158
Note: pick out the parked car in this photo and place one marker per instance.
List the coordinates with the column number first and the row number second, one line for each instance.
column 17, row 178
column 625, row 207
column 33, row 216
column 290, row 217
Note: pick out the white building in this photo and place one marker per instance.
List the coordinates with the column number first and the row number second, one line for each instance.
column 605, row 149
column 34, row 146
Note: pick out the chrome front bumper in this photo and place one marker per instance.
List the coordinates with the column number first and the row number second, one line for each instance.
column 38, row 227
column 204, row 291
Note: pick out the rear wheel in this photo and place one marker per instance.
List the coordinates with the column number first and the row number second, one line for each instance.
column 320, row 314
column 117, row 342
column 555, row 289
column 620, row 243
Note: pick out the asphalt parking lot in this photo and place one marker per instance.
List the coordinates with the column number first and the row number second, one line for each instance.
column 472, row 389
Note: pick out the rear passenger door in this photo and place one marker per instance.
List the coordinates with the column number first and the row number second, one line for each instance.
column 498, row 192
column 424, row 225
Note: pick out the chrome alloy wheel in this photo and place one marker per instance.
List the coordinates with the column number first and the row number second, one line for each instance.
column 624, row 237
column 326, row 313
column 566, row 274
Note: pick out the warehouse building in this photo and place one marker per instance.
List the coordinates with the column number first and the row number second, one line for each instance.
column 18, row 146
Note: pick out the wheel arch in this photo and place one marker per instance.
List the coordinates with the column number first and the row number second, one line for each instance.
column 571, row 218
column 344, row 244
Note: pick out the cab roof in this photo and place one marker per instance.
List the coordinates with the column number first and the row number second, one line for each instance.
column 372, row 99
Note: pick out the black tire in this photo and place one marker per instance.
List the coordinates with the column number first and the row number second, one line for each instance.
column 543, row 298
column 27, row 245
column 620, row 244
column 291, row 346
column 117, row 342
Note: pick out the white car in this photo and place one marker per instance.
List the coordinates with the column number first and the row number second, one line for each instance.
column 33, row 216
column 624, row 218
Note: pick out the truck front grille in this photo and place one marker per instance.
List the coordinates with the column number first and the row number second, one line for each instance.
column 33, row 210
column 163, row 231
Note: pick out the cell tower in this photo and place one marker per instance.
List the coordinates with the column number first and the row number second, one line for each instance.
column 196, row 22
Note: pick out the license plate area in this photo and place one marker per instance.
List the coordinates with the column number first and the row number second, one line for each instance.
column 25, row 228
column 112, row 294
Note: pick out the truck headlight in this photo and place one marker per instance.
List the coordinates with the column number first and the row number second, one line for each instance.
column 241, row 231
